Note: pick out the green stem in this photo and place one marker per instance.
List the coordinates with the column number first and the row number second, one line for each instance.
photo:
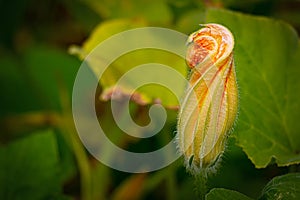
column 82, row 160
column 72, row 137
column 201, row 185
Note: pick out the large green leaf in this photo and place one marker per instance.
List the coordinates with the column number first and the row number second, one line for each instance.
column 29, row 168
column 147, row 93
column 282, row 187
column 105, row 30
column 224, row 194
column 267, row 58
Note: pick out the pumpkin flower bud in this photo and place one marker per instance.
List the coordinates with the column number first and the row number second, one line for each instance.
column 209, row 106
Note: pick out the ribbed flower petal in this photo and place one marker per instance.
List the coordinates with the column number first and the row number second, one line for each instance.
column 209, row 107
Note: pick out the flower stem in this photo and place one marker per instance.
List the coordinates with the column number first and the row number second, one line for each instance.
column 201, row 185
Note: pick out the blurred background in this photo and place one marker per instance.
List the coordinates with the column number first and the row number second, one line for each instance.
column 41, row 156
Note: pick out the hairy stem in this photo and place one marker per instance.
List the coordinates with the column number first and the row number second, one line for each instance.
column 201, row 185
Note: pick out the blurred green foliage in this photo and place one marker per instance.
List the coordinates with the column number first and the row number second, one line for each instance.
column 41, row 156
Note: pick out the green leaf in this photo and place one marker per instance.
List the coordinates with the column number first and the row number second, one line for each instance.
column 53, row 73
column 104, row 31
column 16, row 92
column 282, row 187
column 224, row 194
column 29, row 168
column 66, row 157
column 267, row 57
column 146, row 94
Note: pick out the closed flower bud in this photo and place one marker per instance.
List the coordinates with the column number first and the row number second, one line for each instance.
column 209, row 106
